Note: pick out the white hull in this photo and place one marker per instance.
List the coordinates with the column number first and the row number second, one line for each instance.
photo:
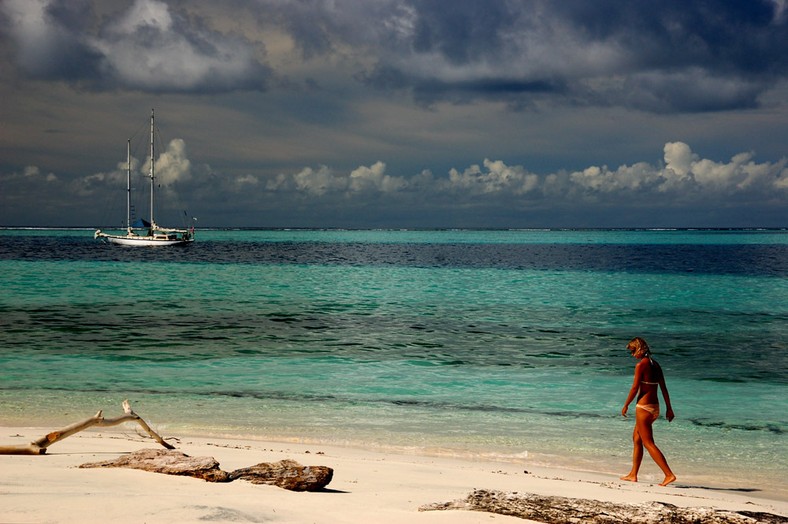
column 142, row 241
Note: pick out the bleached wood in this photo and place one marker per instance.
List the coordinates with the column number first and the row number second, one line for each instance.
column 39, row 446
column 552, row 509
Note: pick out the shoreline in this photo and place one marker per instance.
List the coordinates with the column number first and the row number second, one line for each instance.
column 369, row 485
column 609, row 469
column 710, row 468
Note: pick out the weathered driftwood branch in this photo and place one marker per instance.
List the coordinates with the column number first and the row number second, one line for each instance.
column 39, row 447
column 287, row 474
column 564, row 510
column 167, row 462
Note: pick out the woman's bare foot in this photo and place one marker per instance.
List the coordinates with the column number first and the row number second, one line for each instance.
column 634, row 478
column 668, row 480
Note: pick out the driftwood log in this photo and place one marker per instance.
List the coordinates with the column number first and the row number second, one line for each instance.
column 287, row 474
column 169, row 462
column 564, row 510
column 39, row 447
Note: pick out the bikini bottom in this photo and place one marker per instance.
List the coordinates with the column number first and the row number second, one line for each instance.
column 651, row 408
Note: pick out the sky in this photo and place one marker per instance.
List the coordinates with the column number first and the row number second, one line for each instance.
column 397, row 113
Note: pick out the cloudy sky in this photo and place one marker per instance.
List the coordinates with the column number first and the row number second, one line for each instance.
column 399, row 113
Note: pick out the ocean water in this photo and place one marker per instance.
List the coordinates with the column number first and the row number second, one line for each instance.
column 495, row 344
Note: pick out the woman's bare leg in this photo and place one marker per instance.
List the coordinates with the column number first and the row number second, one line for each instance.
column 637, row 456
column 643, row 424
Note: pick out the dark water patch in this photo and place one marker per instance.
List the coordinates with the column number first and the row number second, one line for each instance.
column 716, row 259
column 725, row 380
column 288, row 319
column 213, row 329
column 771, row 428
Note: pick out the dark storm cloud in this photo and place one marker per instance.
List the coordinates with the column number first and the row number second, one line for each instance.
column 145, row 45
column 721, row 35
column 689, row 56
column 465, row 32
column 672, row 56
column 47, row 46
column 427, row 91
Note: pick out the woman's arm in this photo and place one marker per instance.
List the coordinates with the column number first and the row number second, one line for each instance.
column 633, row 391
column 665, row 395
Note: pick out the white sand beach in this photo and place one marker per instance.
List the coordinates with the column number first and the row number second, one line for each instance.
column 368, row 486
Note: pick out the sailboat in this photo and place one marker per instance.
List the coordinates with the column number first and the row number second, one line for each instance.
column 142, row 232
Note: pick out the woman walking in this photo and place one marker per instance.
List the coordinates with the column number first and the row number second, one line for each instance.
column 648, row 375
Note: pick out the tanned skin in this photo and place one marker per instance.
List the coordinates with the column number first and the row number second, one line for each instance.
column 647, row 371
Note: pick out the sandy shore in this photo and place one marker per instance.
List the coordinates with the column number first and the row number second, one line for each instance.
column 367, row 487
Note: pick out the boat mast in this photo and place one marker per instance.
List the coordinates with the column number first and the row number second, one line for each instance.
column 152, row 221
column 128, row 186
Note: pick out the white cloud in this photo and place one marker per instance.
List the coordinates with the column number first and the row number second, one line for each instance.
column 686, row 176
column 35, row 172
column 720, row 175
column 781, row 180
column 683, row 168
column 147, row 47
column 678, row 159
column 172, row 165
column 496, row 177
column 502, row 177
column 247, row 180
column 374, row 178
column 684, row 172
column 276, row 183
column 319, row 182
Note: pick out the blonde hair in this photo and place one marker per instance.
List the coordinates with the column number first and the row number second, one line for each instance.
column 639, row 345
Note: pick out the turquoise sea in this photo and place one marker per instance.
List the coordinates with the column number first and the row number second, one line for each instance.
column 494, row 344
